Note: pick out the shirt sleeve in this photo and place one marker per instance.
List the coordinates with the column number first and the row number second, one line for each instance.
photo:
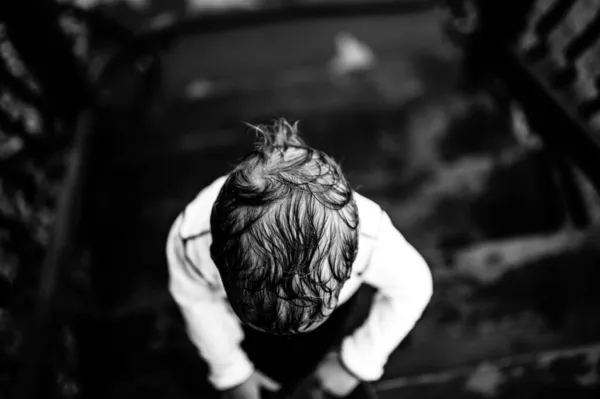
column 404, row 288
column 211, row 326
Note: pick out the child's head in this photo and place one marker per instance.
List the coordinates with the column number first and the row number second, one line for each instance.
column 285, row 233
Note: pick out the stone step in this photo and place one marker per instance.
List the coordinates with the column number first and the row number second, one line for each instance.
column 573, row 372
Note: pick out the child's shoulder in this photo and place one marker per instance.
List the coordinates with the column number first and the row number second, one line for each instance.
column 196, row 215
column 369, row 214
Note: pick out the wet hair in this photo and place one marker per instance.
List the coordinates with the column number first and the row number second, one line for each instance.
column 285, row 233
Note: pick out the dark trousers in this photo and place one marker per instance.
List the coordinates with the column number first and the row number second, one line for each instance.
column 285, row 359
column 289, row 359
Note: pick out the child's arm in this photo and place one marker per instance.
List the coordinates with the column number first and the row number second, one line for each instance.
column 404, row 285
column 213, row 329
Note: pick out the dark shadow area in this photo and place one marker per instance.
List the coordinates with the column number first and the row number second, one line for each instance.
column 480, row 131
column 521, row 198
column 566, row 297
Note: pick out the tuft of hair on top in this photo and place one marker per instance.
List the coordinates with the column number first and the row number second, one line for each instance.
column 285, row 232
column 280, row 135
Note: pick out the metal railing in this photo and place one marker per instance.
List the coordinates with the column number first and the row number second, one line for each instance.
column 68, row 103
column 541, row 84
column 61, row 253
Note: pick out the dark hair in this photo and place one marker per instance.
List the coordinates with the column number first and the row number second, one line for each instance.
column 285, row 232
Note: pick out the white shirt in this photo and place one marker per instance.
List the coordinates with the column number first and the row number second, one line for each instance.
column 385, row 260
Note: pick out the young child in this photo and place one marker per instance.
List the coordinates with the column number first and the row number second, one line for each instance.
column 263, row 259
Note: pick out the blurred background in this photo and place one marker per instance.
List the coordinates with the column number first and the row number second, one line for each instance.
column 115, row 113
